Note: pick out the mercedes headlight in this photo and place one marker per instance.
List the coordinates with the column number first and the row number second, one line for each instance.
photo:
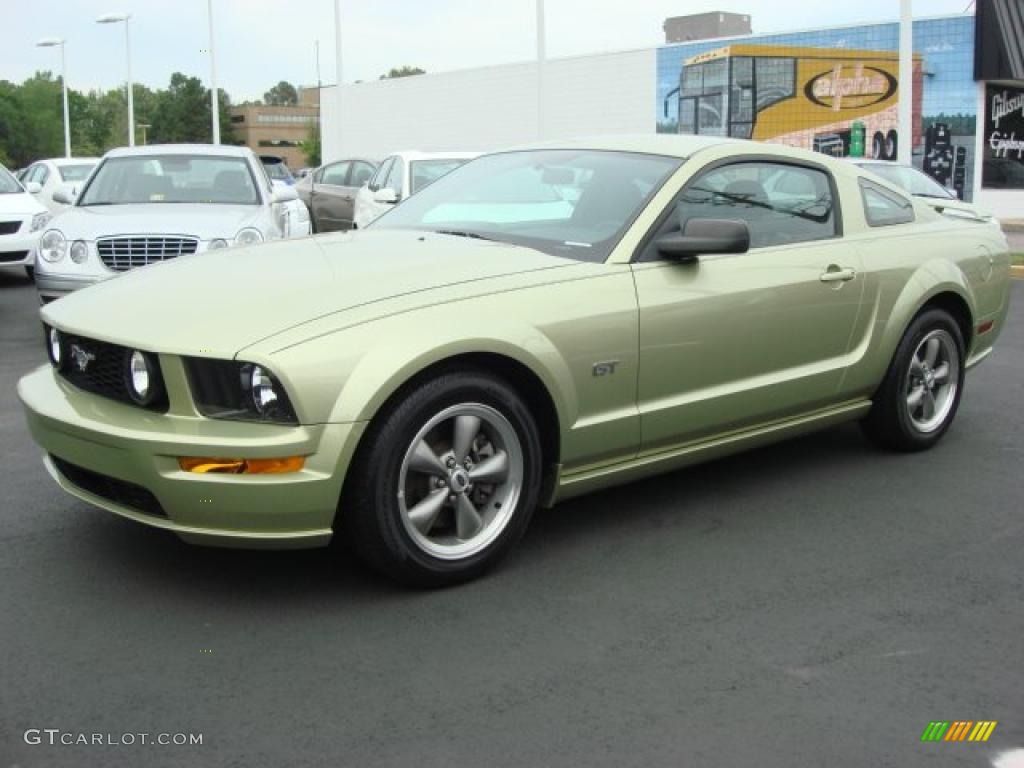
column 248, row 236
column 230, row 389
column 79, row 251
column 40, row 220
column 217, row 243
column 52, row 245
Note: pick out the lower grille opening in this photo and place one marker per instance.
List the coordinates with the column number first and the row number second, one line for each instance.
column 118, row 491
column 13, row 256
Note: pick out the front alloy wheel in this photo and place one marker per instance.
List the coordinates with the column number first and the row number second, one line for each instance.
column 445, row 480
column 918, row 398
column 461, row 478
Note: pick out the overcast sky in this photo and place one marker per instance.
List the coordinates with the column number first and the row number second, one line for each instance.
column 260, row 42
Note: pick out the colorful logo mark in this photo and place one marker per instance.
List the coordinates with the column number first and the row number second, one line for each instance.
column 958, row 730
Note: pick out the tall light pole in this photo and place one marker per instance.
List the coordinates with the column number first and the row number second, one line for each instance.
column 541, row 57
column 337, row 76
column 113, row 18
column 905, row 111
column 214, row 99
column 52, row 42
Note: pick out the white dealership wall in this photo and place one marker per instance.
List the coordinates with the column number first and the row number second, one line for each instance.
column 492, row 107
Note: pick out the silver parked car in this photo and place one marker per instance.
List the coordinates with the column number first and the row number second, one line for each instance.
column 149, row 204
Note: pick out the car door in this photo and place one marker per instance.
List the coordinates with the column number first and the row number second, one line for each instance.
column 729, row 341
column 332, row 198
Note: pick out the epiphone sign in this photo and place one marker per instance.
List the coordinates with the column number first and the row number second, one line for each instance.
column 1003, row 164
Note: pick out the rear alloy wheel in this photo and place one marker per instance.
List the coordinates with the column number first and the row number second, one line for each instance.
column 447, row 481
column 921, row 392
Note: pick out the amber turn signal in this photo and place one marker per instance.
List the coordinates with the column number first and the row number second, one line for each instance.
column 203, row 465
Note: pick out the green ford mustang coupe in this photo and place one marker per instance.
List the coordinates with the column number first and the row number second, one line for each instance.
column 537, row 324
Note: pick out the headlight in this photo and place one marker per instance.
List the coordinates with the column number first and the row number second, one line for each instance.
column 79, row 251
column 40, row 220
column 55, row 347
column 217, row 244
column 248, row 236
column 141, row 377
column 229, row 389
column 52, row 245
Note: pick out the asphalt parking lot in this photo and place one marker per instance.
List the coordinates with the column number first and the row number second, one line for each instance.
column 815, row 603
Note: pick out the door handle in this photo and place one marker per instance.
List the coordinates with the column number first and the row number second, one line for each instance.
column 836, row 274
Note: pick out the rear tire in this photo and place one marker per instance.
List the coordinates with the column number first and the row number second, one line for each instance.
column 920, row 393
column 445, row 481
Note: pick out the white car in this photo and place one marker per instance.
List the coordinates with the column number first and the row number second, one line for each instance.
column 55, row 172
column 297, row 222
column 401, row 175
column 916, row 182
column 22, row 219
column 144, row 205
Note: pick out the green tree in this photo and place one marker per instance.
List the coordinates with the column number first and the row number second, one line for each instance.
column 311, row 147
column 181, row 114
column 404, row 71
column 284, row 94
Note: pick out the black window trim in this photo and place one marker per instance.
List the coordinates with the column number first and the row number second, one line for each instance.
column 669, row 209
column 866, row 185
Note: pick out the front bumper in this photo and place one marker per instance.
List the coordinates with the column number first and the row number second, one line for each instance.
column 18, row 251
column 53, row 285
column 138, row 447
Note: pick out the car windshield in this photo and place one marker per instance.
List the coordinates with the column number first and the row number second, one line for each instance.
column 75, row 172
column 572, row 203
column 8, row 184
column 171, row 179
column 278, row 172
column 909, row 179
column 426, row 172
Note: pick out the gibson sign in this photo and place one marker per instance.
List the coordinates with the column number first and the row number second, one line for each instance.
column 1003, row 159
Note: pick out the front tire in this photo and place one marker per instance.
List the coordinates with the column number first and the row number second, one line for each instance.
column 920, row 394
column 446, row 481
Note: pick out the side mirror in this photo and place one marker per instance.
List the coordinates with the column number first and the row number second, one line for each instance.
column 706, row 236
column 385, row 195
column 65, row 194
column 33, row 187
column 283, row 193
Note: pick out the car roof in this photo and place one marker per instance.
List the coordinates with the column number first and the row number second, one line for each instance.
column 415, row 154
column 219, row 150
column 59, row 161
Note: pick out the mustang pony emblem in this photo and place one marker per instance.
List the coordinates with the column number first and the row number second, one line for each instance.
column 81, row 357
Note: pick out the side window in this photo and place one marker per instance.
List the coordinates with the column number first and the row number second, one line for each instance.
column 395, row 176
column 361, row 173
column 335, row 174
column 781, row 203
column 883, row 207
column 382, row 173
column 40, row 173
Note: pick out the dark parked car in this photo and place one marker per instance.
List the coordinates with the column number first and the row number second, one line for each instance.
column 330, row 192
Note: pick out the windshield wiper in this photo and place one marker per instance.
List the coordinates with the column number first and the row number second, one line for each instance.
column 462, row 233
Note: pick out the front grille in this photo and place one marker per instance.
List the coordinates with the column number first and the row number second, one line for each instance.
column 104, row 372
column 118, row 491
column 9, row 227
column 124, row 253
column 12, row 256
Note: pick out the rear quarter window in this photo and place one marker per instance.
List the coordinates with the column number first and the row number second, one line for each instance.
column 883, row 207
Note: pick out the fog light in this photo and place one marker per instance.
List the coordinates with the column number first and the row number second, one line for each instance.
column 204, row 466
column 54, row 347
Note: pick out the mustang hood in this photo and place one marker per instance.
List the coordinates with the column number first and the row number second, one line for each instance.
column 205, row 221
column 216, row 303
